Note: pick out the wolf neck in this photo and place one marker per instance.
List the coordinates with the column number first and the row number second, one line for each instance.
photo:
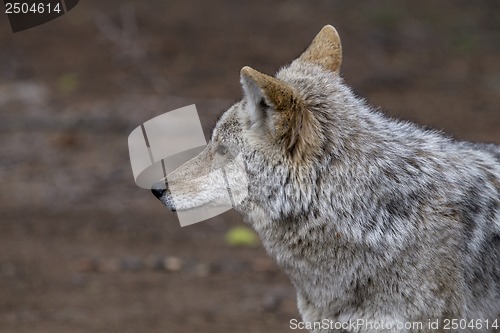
column 320, row 261
column 343, row 221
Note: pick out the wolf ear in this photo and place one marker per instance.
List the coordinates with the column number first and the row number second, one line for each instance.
column 270, row 99
column 276, row 108
column 268, row 91
column 325, row 50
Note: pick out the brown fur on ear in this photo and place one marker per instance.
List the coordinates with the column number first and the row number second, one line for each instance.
column 292, row 124
column 325, row 50
column 277, row 93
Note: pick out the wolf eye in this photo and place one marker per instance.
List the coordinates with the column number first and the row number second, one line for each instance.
column 222, row 150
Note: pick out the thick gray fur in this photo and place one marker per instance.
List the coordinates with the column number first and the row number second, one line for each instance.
column 378, row 219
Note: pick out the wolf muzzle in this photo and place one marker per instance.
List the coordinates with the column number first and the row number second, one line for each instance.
column 161, row 192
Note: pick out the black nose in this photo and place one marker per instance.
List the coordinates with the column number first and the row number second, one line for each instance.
column 158, row 192
column 158, row 189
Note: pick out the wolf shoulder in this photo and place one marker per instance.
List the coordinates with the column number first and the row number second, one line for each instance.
column 488, row 148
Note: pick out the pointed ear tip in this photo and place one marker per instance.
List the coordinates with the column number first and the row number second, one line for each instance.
column 329, row 29
column 246, row 71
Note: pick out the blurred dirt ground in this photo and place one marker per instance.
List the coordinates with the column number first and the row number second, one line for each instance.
column 82, row 249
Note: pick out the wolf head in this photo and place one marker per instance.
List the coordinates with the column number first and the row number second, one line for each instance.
column 282, row 130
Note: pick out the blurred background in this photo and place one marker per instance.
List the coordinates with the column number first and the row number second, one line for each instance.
column 83, row 249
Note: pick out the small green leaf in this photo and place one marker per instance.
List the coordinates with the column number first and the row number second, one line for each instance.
column 241, row 236
column 67, row 82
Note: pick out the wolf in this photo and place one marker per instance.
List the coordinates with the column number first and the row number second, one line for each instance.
column 380, row 225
